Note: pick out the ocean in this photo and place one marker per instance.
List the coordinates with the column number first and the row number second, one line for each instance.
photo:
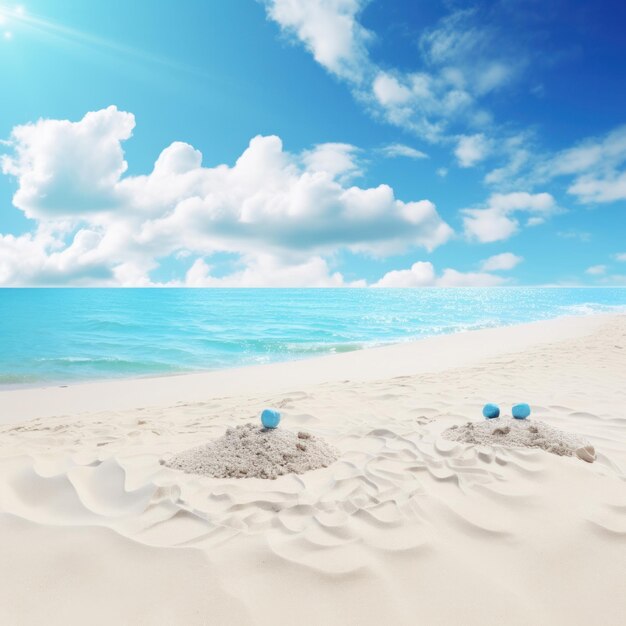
column 55, row 336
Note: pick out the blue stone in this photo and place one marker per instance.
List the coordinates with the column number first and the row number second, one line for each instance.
column 270, row 418
column 491, row 410
column 520, row 411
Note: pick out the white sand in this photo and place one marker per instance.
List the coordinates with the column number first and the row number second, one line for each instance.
column 250, row 451
column 522, row 433
column 405, row 527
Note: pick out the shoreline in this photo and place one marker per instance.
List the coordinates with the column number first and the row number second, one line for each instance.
column 362, row 346
column 430, row 354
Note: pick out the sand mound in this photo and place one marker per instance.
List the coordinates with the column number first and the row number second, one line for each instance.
column 253, row 452
column 513, row 433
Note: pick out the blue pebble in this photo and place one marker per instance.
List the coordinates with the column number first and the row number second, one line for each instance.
column 491, row 410
column 520, row 411
column 270, row 418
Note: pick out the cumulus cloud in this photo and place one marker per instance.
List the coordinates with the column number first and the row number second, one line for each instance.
column 454, row 278
column 621, row 256
column 97, row 224
column 340, row 160
column 471, row 149
column 499, row 220
column 264, row 269
column 501, row 262
column 64, row 167
column 422, row 274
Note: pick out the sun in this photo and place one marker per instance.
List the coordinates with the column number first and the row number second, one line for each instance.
column 18, row 12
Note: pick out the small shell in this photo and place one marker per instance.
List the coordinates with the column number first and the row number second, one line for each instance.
column 586, row 453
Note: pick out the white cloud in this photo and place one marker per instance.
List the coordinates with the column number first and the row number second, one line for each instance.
column 581, row 236
column 590, row 154
column 454, row 278
column 488, row 225
column 501, row 262
column 596, row 270
column 422, row 274
column 596, row 167
column 96, row 224
column 609, row 188
column 329, row 29
column 464, row 41
column 42, row 259
column 400, row 150
column 389, row 91
column 418, row 102
column 492, row 76
column 64, row 168
column 472, row 149
column 340, row 160
column 621, row 256
column 266, row 270
column 461, row 61
column 519, row 152
column 498, row 220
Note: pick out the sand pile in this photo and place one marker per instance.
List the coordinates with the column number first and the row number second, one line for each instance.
column 254, row 452
column 513, row 433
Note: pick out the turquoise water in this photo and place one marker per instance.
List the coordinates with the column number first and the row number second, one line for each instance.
column 64, row 335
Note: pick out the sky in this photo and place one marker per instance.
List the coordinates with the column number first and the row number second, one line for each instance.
column 312, row 143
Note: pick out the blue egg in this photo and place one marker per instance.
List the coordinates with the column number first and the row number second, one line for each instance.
column 520, row 411
column 491, row 410
column 270, row 418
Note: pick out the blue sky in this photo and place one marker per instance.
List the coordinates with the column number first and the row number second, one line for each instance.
column 312, row 143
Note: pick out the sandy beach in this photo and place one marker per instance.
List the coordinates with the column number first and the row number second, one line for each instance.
column 405, row 527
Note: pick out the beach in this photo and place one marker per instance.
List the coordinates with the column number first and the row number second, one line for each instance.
column 404, row 527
